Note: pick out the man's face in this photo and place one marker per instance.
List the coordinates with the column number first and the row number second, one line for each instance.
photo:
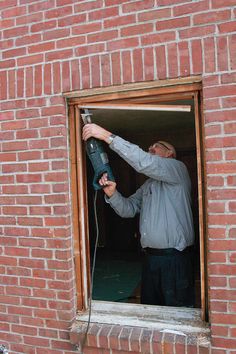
column 159, row 149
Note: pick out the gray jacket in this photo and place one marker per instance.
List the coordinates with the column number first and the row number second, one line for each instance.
column 163, row 201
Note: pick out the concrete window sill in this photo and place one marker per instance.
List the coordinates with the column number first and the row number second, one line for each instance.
column 141, row 328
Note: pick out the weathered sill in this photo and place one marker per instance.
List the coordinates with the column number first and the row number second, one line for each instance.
column 140, row 323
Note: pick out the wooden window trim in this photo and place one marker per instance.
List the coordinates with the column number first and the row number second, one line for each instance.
column 176, row 90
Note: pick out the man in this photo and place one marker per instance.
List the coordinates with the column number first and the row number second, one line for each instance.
column 166, row 225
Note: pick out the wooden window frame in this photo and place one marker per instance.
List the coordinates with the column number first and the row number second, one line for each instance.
column 134, row 94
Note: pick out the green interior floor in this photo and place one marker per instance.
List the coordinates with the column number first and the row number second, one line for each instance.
column 116, row 276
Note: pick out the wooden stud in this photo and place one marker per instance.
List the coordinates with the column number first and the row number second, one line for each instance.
column 139, row 107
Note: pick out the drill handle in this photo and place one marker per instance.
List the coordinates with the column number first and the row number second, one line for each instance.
column 97, row 176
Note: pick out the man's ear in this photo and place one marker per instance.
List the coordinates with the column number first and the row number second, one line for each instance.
column 170, row 154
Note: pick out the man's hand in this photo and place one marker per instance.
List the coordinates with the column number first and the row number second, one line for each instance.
column 109, row 187
column 94, row 130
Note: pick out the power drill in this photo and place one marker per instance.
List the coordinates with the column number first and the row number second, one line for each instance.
column 97, row 155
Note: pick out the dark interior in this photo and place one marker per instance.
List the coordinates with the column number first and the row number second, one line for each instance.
column 119, row 255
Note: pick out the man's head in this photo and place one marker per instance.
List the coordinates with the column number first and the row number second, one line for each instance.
column 163, row 149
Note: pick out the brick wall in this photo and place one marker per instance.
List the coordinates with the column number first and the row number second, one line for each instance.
column 52, row 46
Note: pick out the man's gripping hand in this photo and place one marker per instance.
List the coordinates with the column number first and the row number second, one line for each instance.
column 93, row 130
column 109, row 187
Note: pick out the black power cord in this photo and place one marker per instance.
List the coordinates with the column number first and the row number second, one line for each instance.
column 92, row 272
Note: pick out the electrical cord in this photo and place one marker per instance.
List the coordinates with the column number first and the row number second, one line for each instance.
column 92, row 272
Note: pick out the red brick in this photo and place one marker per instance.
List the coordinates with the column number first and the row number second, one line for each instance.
column 184, row 60
column 43, row 26
column 220, row 116
column 228, row 102
column 86, row 28
column 216, row 207
column 35, row 341
column 39, row 189
column 85, row 73
column 29, row 178
column 55, row 221
column 230, row 128
column 28, row 39
column 232, row 282
column 123, row 43
column 227, row 27
column 158, row 38
column 219, row 331
column 3, row 80
column 90, row 49
column 102, row 36
column 228, row 167
column 197, row 62
column 173, row 23
column 135, row 339
column 137, row 65
column 232, row 51
column 59, row 54
column 103, row 13
column 72, row 42
column 7, row 63
column 221, row 219
column 15, row 32
column 232, row 258
column 222, row 53
column 40, row 210
column 56, row 77
column 72, row 20
column 30, row 59
column 14, row 210
column 8, row 3
column 14, row 146
column 88, row 6
column 9, row 300
column 220, row 269
column 105, row 70
column 224, row 343
column 231, row 181
column 24, row 330
column 218, row 282
column 161, row 62
column 27, row 134
column 58, row 12
column 8, row 157
column 211, row 17
column 16, row 231
column 202, row 31
column 148, row 64
column 12, row 12
column 56, row 33
column 12, row 53
column 119, row 21
column 11, row 84
column 44, row 47
column 172, row 60
column 116, row 68
column 209, row 54
column 7, row 179
column 30, row 221
column 230, row 154
column 212, row 104
column 191, row 8
column 222, row 3
column 95, row 73
column 29, row 19
column 222, row 245
column 138, row 6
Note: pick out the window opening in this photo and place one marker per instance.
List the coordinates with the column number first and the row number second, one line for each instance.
column 119, row 238
column 119, row 255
